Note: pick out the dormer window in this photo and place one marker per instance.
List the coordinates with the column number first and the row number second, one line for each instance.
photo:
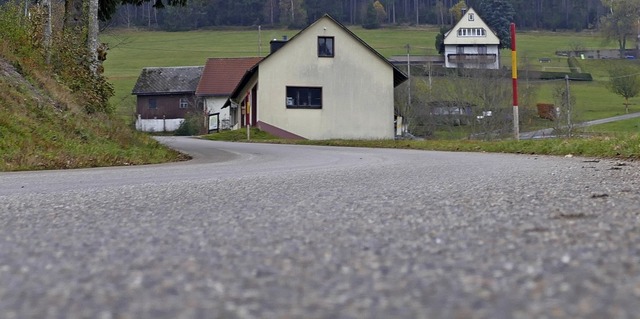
column 326, row 47
column 472, row 32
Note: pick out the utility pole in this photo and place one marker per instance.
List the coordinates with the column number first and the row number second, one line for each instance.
column 408, row 75
column 566, row 78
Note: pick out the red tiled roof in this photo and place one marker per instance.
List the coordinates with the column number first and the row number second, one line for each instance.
column 221, row 75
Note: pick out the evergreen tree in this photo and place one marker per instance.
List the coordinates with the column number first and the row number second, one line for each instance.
column 498, row 14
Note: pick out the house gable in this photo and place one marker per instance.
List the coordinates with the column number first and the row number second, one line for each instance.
column 351, row 86
column 471, row 44
column 471, row 30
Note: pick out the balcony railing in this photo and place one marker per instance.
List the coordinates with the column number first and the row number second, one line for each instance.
column 472, row 58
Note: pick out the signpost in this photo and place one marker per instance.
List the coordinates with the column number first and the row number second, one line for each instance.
column 514, row 80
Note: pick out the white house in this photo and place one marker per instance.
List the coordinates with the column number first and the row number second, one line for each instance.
column 323, row 83
column 471, row 44
column 219, row 77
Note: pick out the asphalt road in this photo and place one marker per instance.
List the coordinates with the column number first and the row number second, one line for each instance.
column 282, row 231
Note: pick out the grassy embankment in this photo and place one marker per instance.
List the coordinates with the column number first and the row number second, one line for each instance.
column 44, row 124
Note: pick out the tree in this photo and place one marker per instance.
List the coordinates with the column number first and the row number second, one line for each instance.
column 440, row 40
column 292, row 13
column 498, row 15
column 624, row 82
column 380, row 12
column 456, row 10
column 371, row 19
column 621, row 22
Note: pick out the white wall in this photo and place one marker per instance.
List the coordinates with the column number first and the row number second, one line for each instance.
column 491, row 49
column 214, row 105
column 158, row 125
column 357, row 88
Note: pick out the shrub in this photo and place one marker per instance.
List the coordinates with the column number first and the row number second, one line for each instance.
column 192, row 125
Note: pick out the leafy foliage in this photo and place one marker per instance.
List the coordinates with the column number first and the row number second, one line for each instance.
column 371, row 22
column 620, row 23
column 192, row 125
column 624, row 82
column 440, row 39
column 498, row 14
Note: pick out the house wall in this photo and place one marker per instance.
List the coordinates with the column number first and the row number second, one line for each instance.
column 491, row 49
column 214, row 104
column 452, row 40
column 168, row 106
column 157, row 125
column 357, row 88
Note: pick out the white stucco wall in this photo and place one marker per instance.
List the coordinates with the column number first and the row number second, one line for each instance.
column 158, row 125
column 357, row 88
column 452, row 40
column 214, row 105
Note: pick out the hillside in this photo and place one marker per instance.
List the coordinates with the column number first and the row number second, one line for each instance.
column 41, row 127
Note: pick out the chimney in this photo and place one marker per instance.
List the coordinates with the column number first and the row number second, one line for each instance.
column 464, row 10
column 277, row 44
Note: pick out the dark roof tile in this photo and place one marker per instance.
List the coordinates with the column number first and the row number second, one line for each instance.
column 168, row 80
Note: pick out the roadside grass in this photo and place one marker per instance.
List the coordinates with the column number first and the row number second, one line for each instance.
column 620, row 146
column 37, row 136
column 619, row 127
column 241, row 135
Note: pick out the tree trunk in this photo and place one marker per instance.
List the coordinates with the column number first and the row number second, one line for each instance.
column 46, row 7
column 92, row 36
column 72, row 15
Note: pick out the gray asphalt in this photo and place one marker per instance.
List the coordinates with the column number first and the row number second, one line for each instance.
column 283, row 231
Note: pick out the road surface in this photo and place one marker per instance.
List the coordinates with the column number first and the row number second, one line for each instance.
column 284, row 231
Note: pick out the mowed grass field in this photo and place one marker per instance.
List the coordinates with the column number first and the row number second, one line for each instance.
column 132, row 50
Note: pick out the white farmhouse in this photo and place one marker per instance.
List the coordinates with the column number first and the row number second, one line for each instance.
column 323, row 83
column 471, row 44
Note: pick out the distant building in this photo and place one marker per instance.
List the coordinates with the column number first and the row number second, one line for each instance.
column 165, row 95
column 219, row 78
column 323, row 83
column 471, row 44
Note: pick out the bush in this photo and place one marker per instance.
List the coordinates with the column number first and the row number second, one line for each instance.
column 191, row 125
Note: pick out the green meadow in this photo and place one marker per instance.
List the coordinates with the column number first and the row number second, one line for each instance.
column 130, row 51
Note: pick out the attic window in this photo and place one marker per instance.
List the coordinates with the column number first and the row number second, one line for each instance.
column 326, row 47
column 472, row 32
column 471, row 17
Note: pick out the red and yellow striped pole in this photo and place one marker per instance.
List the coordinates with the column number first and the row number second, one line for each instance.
column 514, row 80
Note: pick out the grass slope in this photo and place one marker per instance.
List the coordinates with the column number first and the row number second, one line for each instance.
column 40, row 132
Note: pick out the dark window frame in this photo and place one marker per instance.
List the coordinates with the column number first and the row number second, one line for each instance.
column 183, row 103
column 326, row 49
column 303, row 97
column 152, row 103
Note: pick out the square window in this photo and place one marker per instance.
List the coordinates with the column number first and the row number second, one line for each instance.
column 304, row 97
column 184, row 103
column 326, row 47
column 153, row 104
